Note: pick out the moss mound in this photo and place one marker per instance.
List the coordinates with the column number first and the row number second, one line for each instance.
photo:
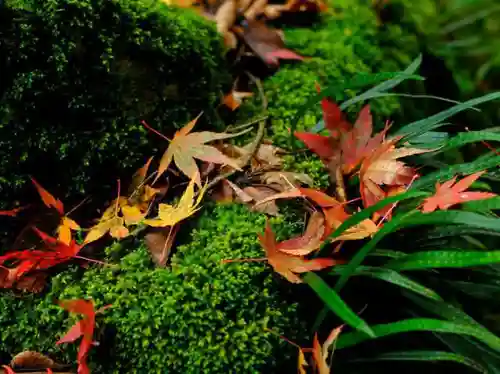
column 78, row 76
column 200, row 316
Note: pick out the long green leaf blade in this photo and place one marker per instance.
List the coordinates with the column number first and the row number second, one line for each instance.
column 431, row 356
column 336, row 304
column 392, row 277
column 444, row 259
column 360, row 255
column 419, row 324
column 433, row 122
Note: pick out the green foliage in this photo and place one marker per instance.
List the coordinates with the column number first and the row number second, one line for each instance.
column 199, row 316
column 78, row 76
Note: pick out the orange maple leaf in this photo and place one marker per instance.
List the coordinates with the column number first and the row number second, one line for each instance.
column 452, row 192
column 67, row 224
column 288, row 265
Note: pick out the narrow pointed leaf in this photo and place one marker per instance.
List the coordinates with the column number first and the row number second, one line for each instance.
column 432, row 122
column 420, row 324
column 390, row 276
column 336, row 304
column 444, row 259
column 431, row 356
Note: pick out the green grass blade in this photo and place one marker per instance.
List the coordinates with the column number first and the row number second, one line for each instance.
column 465, row 138
column 336, row 304
column 360, row 255
column 419, row 324
column 444, row 259
column 431, row 356
column 483, row 205
column 453, row 217
column 392, row 277
column 467, row 347
column 408, row 73
column 445, row 310
column 435, row 121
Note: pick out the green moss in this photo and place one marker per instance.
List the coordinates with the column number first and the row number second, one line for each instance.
column 78, row 76
column 200, row 316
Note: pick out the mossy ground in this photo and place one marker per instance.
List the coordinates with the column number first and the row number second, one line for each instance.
column 75, row 88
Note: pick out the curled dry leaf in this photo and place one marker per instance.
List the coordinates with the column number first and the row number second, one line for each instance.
column 287, row 265
column 452, row 192
column 32, row 360
column 310, row 241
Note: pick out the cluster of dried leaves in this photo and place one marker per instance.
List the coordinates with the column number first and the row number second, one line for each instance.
column 348, row 150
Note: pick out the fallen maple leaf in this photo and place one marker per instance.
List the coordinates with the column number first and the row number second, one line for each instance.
column 159, row 242
column 186, row 146
column 310, row 241
column 320, row 354
column 288, row 265
column 234, row 99
column 49, row 200
column 267, row 43
column 169, row 215
column 452, row 192
column 109, row 222
column 382, row 167
column 66, row 224
column 83, row 328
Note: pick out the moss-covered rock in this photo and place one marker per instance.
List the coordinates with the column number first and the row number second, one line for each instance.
column 200, row 316
column 78, row 76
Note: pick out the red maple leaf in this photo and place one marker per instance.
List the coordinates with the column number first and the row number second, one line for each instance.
column 83, row 328
column 452, row 192
column 346, row 146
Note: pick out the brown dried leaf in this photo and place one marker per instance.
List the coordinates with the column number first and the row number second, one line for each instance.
column 33, row 360
column 225, row 16
column 159, row 242
column 255, row 9
column 259, row 193
column 286, row 179
column 266, row 43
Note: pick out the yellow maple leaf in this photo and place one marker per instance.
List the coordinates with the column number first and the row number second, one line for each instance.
column 64, row 230
column 169, row 215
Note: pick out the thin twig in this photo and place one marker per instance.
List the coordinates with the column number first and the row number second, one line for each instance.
column 340, row 186
column 257, row 141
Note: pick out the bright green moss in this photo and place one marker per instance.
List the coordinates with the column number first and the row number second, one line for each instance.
column 200, row 316
column 78, row 76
